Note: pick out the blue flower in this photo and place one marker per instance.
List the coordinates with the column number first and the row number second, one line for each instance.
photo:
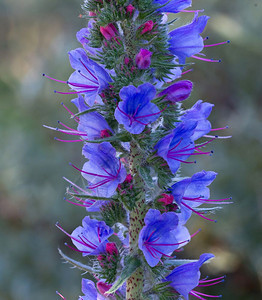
column 186, row 41
column 104, row 170
column 161, row 235
column 177, row 146
column 186, row 277
column 191, row 192
column 89, row 290
column 92, row 125
column 136, row 111
column 199, row 113
column 173, row 6
column 89, row 78
column 91, row 238
column 83, row 37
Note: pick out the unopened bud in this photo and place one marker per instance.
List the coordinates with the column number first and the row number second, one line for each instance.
column 143, row 59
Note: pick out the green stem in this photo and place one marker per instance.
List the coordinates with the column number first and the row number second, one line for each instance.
column 134, row 287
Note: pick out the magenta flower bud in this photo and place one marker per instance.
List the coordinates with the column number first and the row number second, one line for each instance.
column 126, row 60
column 166, row 199
column 103, row 288
column 178, row 91
column 148, row 26
column 92, row 14
column 143, row 59
column 109, row 31
column 111, row 248
column 129, row 178
column 130, row 8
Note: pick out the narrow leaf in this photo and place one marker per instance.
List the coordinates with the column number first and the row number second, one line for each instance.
column 131, row 264
column 76, row 264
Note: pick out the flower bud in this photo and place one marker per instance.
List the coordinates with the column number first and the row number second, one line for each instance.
column 143, row 59
column 111, row 248
column 166, row 199
column 130, row 8
column 109, row 31
column 178, row 91
column 103, row 288
column 148, row 26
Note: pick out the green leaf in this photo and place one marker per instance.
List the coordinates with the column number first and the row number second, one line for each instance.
column 123, row 137
column 76, row 264
column 131, row 264
column 179, row 262
column 145, row 173
column 85, row 112
column 90, row 197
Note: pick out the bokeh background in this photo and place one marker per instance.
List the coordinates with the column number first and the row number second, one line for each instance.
column 35, row 38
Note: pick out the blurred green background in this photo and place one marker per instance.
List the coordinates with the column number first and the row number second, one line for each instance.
column 35, row 39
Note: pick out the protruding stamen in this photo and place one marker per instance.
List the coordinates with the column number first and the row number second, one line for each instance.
column 222, row 128
column 187, row 71
column 222, row 43
column 94, row 174
column 198, row 213
column 62, row 81
column 60, row 295
column 206, row 59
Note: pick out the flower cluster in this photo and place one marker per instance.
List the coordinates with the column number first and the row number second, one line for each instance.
column 136, row 137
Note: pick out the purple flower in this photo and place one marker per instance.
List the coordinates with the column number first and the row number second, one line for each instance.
column 83, row 37
column 178, row 91
column 186, row 41
column 161, row 235
column 92, row 124
column 89, row 290
column 136, row 111
column 199, row 113
column 173, row 6
column 191, row 192
column 89, row 78
column 177, row 146
column 103, row 171
column 186, row 277
column 91, row 238
column 143, row 59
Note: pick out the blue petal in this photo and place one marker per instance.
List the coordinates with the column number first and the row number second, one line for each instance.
column 174, row 6
column 186, row 40
column 186, row 277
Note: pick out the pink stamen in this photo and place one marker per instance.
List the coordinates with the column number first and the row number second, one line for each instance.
column 195, row 233
column 67, row 109
column 190, row 70
column 222, row 128
column 96, row 185
column 222, row 43
column 206, row 295
column 83, row 85
column 81, row 241
column 210, row 280
column 60, row 295
column 88, row 70
column 206, row 59
column 98, row 175
column 193, row 293
column 198, row 213
column 83, row 75
column 62, row 81
column 75, row 249
column 79, row 204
